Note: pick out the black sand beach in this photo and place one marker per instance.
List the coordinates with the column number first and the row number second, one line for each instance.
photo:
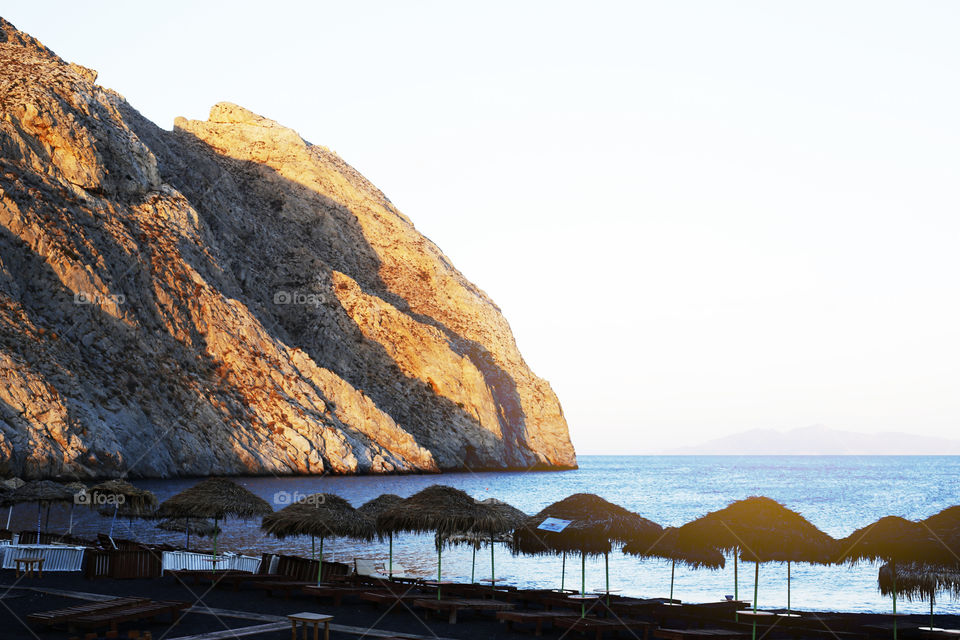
column 232, row 612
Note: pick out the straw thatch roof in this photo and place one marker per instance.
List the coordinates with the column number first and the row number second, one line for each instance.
column 918, row 581
column 198, row 526
column 42, row 491
column 373, row 508
column 442, row 510
column 133, row 502
column 761, row 530
column 323, row 515
column 12, row 483
column 594, row 523
column 477, row 539
column 215, row 498
column 669, row 546
column 944, row 527
column 889, row 538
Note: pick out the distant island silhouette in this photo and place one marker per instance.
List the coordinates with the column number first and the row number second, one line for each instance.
column 820, row 440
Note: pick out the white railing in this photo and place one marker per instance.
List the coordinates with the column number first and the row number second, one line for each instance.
column 55, row 557
column 176, row 560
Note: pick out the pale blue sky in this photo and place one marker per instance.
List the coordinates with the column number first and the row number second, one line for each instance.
column 699, row 217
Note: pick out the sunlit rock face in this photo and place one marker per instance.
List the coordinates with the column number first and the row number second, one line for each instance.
column 227, row 298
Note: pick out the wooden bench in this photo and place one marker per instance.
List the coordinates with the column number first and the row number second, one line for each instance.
column 453, row 606
column 28, row 565
column 600, row 626
column 532, row 617
column 63, row 616
column 143, row 611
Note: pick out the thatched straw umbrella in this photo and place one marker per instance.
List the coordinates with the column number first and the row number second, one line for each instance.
column 894, row 540
column 443, row 511
column 916, row 580
column 592, row 523
column 320, row 515
column 944, row 527
column 513, row 517
column 669, row 546
column 199, row 527
column 136, row 503
column 761, row 530
column 44, row 493
column 216, row 498
column 372, row 509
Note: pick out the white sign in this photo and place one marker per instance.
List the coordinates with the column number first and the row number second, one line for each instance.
column 554, row 524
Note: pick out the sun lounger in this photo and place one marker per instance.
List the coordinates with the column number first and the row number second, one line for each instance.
column 700, row 634
column 284, row 586
column 332, row 591
column 536, row 618
column 204, row 575
column 600, row 626
column 63, row 616
column 390, row 597
column 452, row 606
column 368, row 572
column 142, row 611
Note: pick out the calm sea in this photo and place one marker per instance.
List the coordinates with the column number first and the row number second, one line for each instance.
column 837, row 494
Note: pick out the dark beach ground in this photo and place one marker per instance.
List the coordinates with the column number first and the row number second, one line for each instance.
column 19, row 602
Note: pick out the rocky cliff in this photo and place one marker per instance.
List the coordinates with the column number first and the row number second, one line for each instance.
column 227, row 298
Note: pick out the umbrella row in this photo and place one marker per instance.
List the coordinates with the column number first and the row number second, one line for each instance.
column 757, row 529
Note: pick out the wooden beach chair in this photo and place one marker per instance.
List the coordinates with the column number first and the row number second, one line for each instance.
column 144, row 611
column 700, row 634
column 336, row 592
column 536, row 618
column 63, row 616
column 601, row 626
column 453, row 606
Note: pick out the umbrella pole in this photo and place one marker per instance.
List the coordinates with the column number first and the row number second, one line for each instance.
column 320, row 566
column 113, row 520
column 583, row 583
column 493, row 567
column 390, row 566
column 736, row 592
column 70, row 528
column 439, row 566
column 756, row 580
column 931, row 611
column 673, row 569
column 46, row 523
column 563, row 570
column 215, row 537
column 606, row 569
column 473, row 566
column 39, row 509
column 188, row 534
column 893, row 566
column 9, row 513
column 313, row 547
column 788, row 586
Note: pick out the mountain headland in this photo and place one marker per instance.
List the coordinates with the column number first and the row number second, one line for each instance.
column 228, row 298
